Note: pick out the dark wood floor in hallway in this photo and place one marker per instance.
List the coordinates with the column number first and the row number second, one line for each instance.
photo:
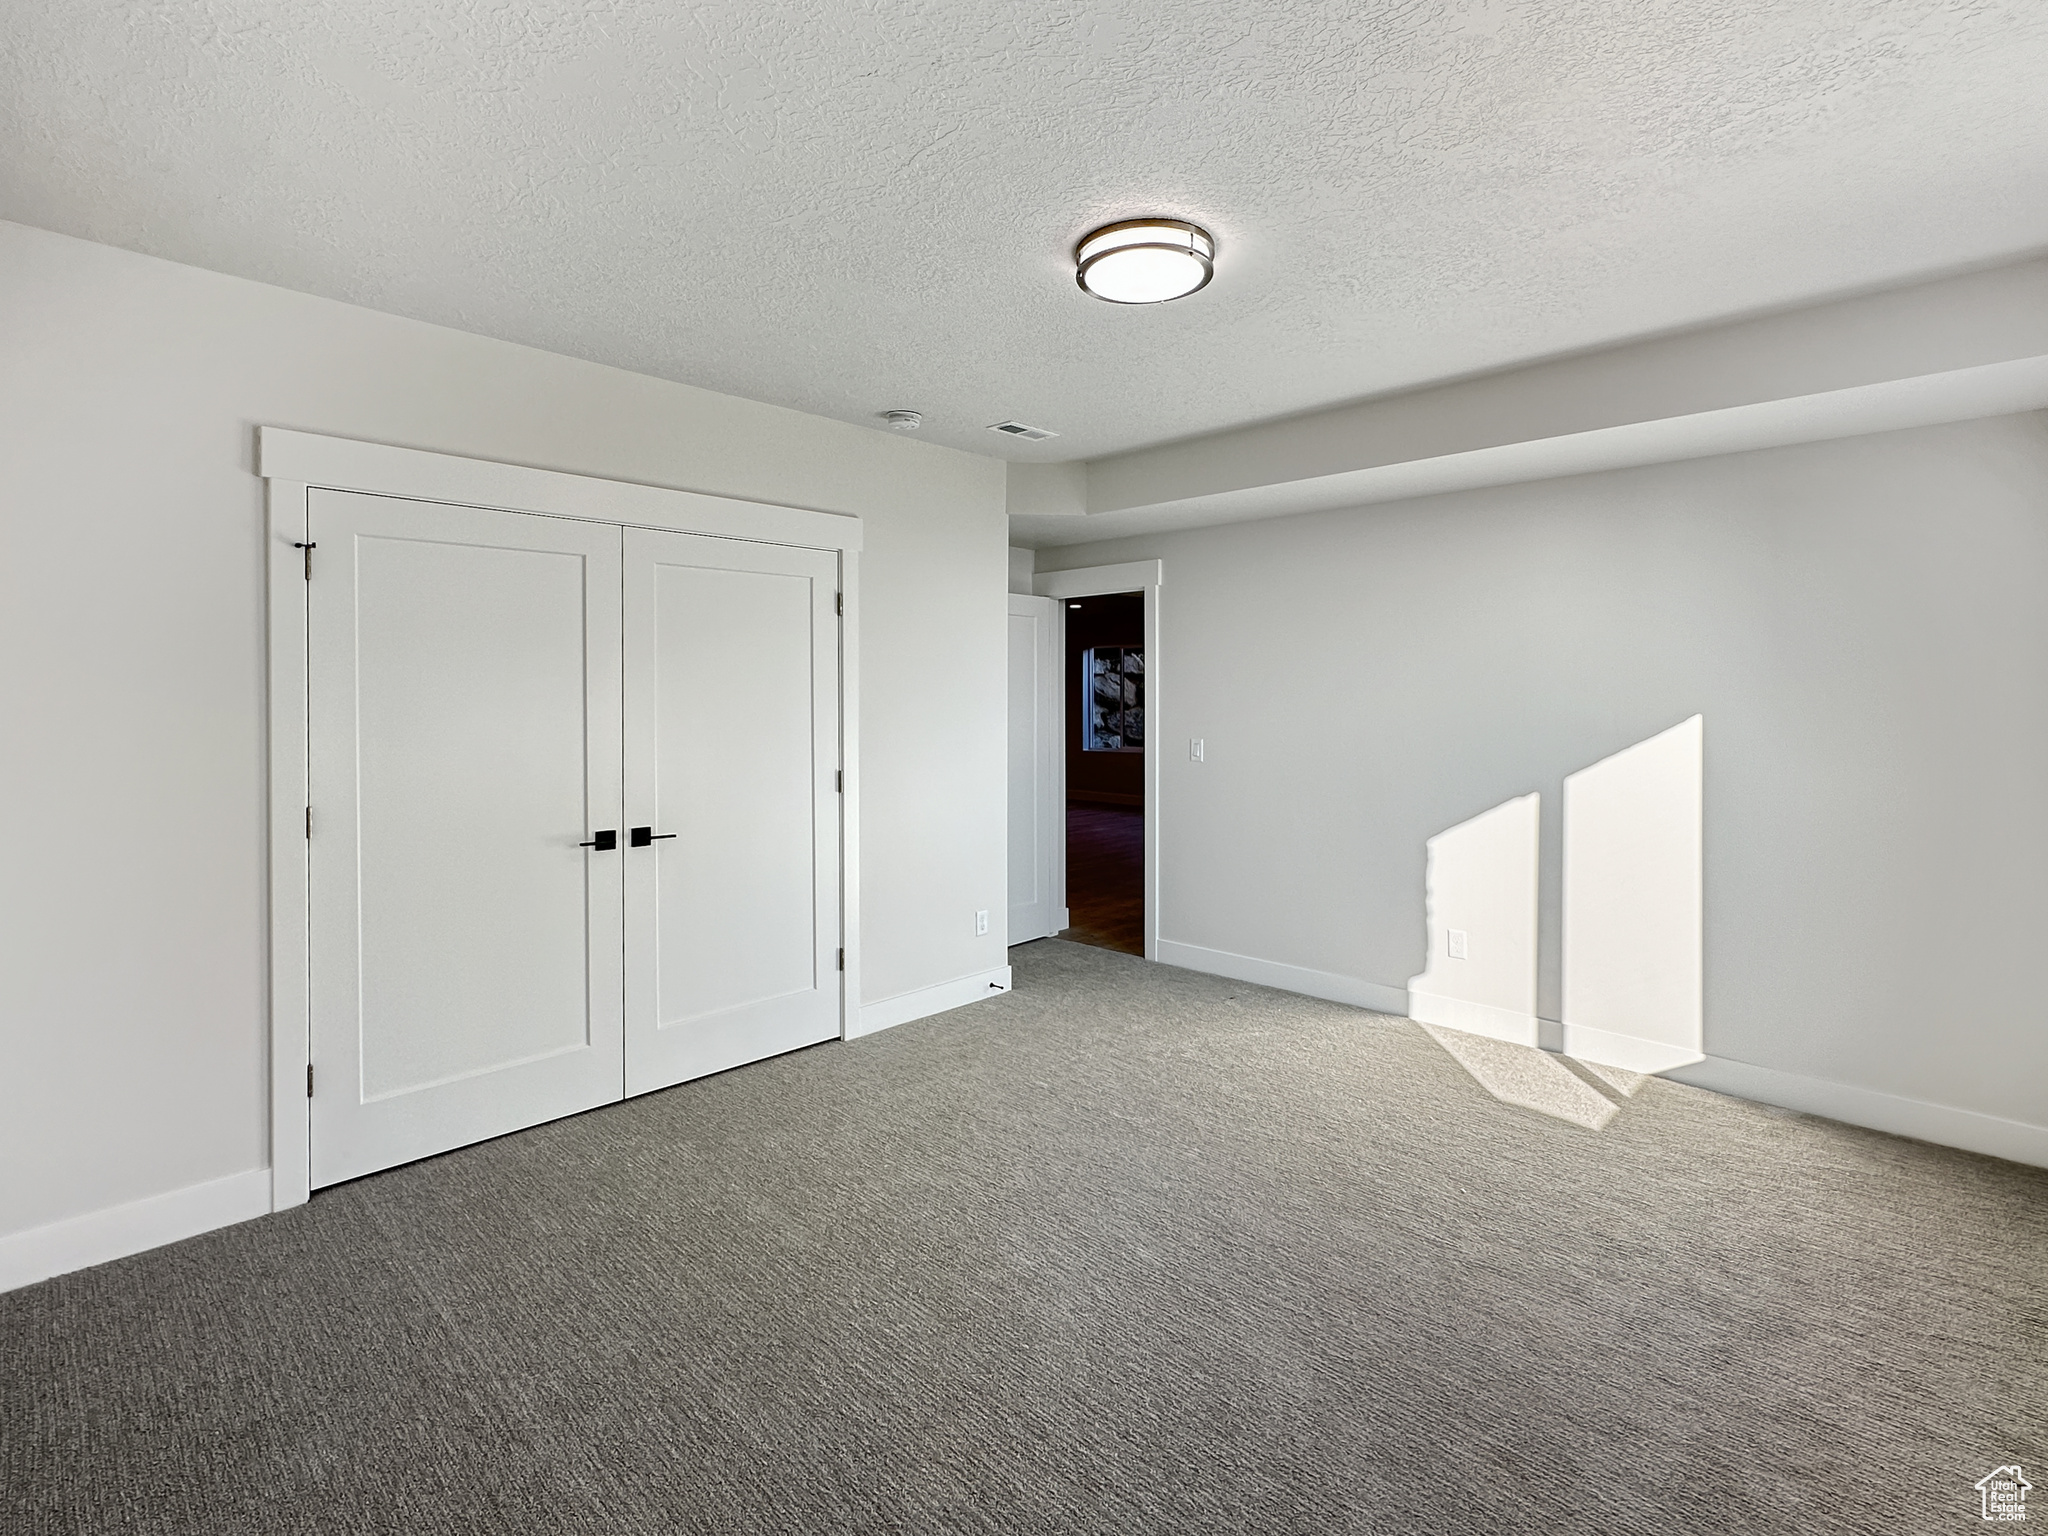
column 1106, row 876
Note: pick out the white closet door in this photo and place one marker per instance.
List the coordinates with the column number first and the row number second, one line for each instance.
column 463, row 740
column 1037, row 819
column 732, row 753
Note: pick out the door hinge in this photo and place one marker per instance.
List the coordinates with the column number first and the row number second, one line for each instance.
column 839, row 781
column 842, row 959
column 308, row 550
column 309, row 1079
column 309, row 821
column 839, row 603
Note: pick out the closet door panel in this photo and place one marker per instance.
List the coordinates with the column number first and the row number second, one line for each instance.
column 737, row 895
column 464, row 735
column 732, row 752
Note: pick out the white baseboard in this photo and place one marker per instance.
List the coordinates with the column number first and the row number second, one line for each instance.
column 1968, row 1129
column 926, row 1001
column 1472, row 1018
column 1288, row 978
column 97, row 1236
column 1059, row 926
column 1605, row 1048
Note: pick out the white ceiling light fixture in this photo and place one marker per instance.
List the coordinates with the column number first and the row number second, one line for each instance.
column 1145, row 261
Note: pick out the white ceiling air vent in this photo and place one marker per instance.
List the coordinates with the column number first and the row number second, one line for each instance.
column 1019, row 430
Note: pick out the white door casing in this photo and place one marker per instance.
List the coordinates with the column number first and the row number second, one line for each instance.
column 1148, row 577
column 463, row 738
column 732, row 715
column 1037, row 819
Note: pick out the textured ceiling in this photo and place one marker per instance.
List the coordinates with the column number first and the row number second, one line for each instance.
column 849, row 205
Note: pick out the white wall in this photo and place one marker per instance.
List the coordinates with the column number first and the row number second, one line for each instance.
column 1864, row 623
column 132, row 1031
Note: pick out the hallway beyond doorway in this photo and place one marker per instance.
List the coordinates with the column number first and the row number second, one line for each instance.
column 1106, row 876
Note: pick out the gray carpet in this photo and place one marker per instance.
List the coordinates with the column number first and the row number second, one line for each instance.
column 1130, row 1249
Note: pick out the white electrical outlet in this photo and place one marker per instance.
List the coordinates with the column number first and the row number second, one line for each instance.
column 1454, row 943
column 980, row 924
column 1195, row 749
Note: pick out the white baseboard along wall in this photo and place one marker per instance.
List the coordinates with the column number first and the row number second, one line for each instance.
column 2015, row 1140
column 1968, row 1129
column 926, row 1001
column 1287, row 978
column 99, row 1236
column 1511, row 1025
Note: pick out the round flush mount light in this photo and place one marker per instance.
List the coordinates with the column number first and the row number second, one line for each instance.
column 1145, row 261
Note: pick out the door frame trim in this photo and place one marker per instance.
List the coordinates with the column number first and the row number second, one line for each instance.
column 293, row 464
column 1049, row 754
column 1146, row 576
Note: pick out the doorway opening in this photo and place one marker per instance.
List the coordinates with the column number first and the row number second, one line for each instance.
column 1106, row 744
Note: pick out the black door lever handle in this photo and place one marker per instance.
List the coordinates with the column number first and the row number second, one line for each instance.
column 603, row 842
column 642, row 836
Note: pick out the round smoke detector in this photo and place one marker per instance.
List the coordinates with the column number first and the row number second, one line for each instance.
column 1145, row 261
column 903, row 421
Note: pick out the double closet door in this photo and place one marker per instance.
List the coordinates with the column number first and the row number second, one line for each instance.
column 574, row 820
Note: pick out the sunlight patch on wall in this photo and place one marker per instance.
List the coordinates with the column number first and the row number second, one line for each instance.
column 1633, row 878
column 1632, row 934
column 1480, row 906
